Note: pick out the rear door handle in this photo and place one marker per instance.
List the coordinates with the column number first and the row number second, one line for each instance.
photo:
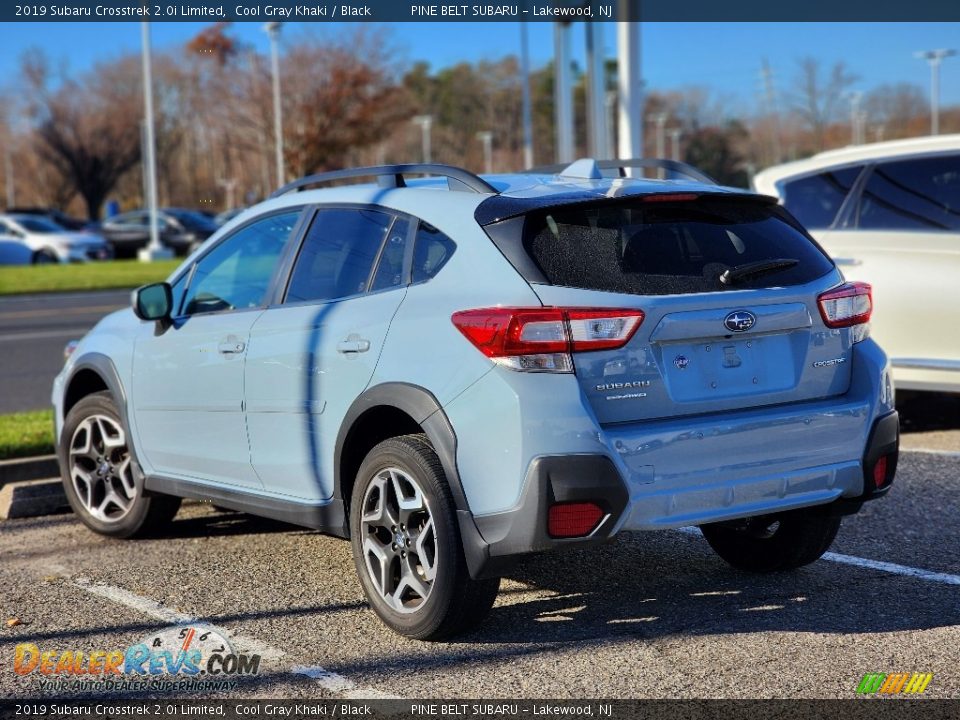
column 231, row 346
column 353, row 344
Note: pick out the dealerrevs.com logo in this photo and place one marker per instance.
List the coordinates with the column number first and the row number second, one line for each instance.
column 186, row 658
column 894, row 683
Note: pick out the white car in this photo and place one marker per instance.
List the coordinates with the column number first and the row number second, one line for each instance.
column 49, row 242
column 889, row 214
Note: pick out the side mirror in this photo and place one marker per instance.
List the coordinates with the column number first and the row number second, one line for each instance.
column 153, row 302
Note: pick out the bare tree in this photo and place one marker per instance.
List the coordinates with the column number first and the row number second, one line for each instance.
column 87, row 129
column 817, row 98
column 894, row 107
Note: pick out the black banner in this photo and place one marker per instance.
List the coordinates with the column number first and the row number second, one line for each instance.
column 483, row 11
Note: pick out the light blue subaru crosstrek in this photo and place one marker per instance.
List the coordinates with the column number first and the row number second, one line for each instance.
column 456, row 372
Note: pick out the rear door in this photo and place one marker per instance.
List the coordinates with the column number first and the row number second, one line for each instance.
column 704, row 345
column 903, row 236
column 313, row 354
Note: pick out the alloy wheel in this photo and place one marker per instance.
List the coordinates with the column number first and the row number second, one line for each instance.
column 399, row 541
column 101, row 468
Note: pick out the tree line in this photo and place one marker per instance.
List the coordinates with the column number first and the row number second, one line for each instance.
column 75, row 141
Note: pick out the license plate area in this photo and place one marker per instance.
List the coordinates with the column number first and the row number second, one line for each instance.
column 723, row 368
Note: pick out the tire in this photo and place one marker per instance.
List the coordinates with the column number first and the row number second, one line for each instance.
column 44, row 257
column 396, row 578
column 771, row 543
column 101, row 479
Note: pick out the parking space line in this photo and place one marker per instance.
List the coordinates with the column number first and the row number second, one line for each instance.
column 326, row 679
column 888, row 567
column 893, row 568
column 931, row 451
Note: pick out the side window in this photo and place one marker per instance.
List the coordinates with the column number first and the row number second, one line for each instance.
column 921, row 194
column 390, row 267
column 815, row 200
column 237, row 272
column 431, row 251
column 338, row 254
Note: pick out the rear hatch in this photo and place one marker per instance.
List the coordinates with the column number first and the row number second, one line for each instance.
column 728, row 285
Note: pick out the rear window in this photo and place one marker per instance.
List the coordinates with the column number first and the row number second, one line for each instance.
column 659, row 248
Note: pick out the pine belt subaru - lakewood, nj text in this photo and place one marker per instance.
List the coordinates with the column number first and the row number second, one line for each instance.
column 456, row 372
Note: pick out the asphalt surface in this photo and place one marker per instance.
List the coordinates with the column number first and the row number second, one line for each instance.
column 33, row 332
column 652, row 615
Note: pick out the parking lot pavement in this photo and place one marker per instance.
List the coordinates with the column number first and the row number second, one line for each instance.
column 33, row 332
column 651, row 615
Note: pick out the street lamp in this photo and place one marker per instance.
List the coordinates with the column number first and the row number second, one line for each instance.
column 855, row 97
column 425, row 122
column 273, row 30
column 486, row 137
column 675, row 144
column 154, row 250
column 8, row 174
column 935, row 57
column 661, row 121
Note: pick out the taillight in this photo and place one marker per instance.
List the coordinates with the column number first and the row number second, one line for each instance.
column 849, row 305
column 542, row 339
column 569, row 520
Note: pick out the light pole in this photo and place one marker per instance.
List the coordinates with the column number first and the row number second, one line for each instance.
column 486, row 137
column 661, row 121
column 935, row 57
column 527, row 103
column 562, row 93
column 855, row 97
column 154, row 250
column 273, row 30
column 629, row 84
column 425, row 122
column 8, row 174
column 675, row 144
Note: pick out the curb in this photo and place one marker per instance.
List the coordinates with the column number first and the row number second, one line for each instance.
column 32, row 498
column 32, row 468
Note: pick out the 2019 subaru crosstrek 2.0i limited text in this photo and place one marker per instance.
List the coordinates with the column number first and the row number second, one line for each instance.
column 456, row 372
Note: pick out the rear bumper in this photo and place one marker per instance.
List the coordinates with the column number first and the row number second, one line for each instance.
column 693, row 471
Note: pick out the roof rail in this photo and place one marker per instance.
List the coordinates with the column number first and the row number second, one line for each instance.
column 392, row 176
column 588, row 169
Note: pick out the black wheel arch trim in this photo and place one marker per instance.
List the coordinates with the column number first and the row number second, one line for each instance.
column 424, row 408
column 104, row 367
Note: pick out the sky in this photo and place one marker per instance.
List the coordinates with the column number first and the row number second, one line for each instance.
column 724, row 57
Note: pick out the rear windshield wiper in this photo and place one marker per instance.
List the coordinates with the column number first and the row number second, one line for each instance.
column 734, row 275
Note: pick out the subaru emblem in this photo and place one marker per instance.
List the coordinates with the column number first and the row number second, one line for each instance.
column 740, row 321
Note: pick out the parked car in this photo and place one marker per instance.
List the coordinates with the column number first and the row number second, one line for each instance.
column 57, row 216
column 226, row 216
column 458, row 372
column 889, row 214
column 180, row 230
column 50, row 243
column 14, row 252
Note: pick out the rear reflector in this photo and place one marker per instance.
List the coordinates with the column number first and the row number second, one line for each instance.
column 513, row 335
column 848, row 305
column 880, row 472
column 567, row 520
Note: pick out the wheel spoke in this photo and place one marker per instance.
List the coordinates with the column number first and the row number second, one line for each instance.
column 407, row 502
column 426, row 550
column 85, row 434
column 378, row 563
column 125, row 475
column 410, row 578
